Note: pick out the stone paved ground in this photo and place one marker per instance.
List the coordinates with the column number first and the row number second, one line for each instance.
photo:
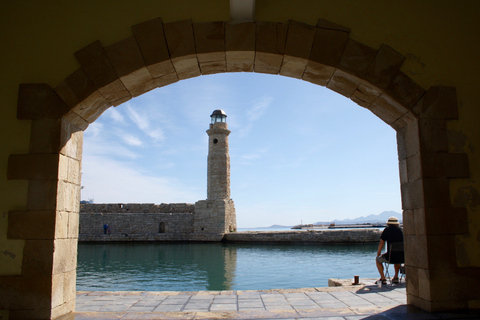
column 366, row 301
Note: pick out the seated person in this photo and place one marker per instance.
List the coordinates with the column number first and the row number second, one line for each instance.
column 392, row 233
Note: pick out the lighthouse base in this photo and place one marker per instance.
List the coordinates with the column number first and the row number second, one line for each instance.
column 214, row 216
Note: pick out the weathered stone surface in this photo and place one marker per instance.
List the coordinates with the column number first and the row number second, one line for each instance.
column 387, row 109
column 318, row 73
column 38, row 101
column 438, row 103
column 240, row 46
column 297, row 49
column 45, row 136
column 181, row 45
column 210, row 42
column 324, row 236
column 403, row 89
column 343, row 83
column 384, row 67
column 328, row 45
column 96, row 65
column 365, row 95
column 433, row 135
column 270, row 40
column 445, row 165
column 356, row 58
column 75, row 88
column 128, row 62
column 37, row 257
column 153, row 46
column 71, row 141
column 64, row 256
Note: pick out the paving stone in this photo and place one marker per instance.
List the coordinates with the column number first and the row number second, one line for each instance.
column 223, row 307
column 168, row 308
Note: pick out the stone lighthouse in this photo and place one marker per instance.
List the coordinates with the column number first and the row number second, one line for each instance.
column 216, row 215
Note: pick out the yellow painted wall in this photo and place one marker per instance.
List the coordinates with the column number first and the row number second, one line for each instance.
column 39, row 38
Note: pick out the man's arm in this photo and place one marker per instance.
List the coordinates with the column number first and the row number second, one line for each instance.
column 380, row 247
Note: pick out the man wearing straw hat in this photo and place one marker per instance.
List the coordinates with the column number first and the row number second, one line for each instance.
column 392, row 233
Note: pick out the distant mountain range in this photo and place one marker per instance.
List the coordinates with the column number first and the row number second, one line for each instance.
column 373, row 218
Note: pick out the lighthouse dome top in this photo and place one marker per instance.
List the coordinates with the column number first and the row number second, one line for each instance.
column 218, row 116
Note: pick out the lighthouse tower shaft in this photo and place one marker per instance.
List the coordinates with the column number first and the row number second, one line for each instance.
column 216, row 216
column 218, row 182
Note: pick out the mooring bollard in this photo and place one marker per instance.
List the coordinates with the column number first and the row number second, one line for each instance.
column 356, row 280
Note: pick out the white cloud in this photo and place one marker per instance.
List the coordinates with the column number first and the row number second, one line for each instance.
column 132, row 140
column 115, row 115
column 259, row 108
column 143, row 123
column 100, row 173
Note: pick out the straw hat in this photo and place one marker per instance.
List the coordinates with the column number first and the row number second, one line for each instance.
column 392, row 220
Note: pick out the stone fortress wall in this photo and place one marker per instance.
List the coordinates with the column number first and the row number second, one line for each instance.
column 175, row 222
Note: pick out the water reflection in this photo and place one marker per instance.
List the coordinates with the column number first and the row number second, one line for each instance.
column 217, row 266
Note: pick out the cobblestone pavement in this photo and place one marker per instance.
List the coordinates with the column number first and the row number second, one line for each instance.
column 366, row 301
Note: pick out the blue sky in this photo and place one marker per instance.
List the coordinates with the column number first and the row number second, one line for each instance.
column 299, row 152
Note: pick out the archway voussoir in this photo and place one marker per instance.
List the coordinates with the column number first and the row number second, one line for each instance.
column 384, row 67
column 405, row 90
column 329, row 43
column 39, row 100
column 181, row 45
column 365, row 94
column 151, row 41
column 128, row 63
column 357, row 58
column 240, row 46
column 97, row 66
column 270, row 42
column 210, row 46
column 439, row 102
column 298, row 48
column 388, row 109
column 344, row 83
column 318, row 73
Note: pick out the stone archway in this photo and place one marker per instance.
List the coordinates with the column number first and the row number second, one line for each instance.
column 159, row 54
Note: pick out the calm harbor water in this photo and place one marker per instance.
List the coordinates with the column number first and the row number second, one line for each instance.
column 218, row 266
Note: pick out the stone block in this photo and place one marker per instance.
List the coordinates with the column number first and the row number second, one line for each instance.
column 445, row 165
column 407, row 141
column 318, row 73
column 33, row 166
column 416, row 249
column 71, row 141
column 57, row 290
column 30, row 225
column 180, row 38
column 166, row 80
column 412, row 281
column 414, row 167
column 95, row 64
column 409, row 222
column 356, row 58
column 412, row 195
column 75, row 88
column 92, row 107
column 210, row 41
column 64, row 256
column 153, row 46
column 402, row 122
column 38, row 101
column 402, row 165
column 42, row 195
column 75, row 120
column 270, row 40
column 45, row 136
column 61, row 225
column 328, row 45
column 403, row 89
column 240, row 46
column 37, row 258
column 68, row 198
column 387, row 109
column 127, row 61
column 213, row 67
column 438, row 103
column 186, row 66
column 433, row 135
column 343, row 83
column 365, row 95
column 73, row 225
column 384, row 67
column 297, row 49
